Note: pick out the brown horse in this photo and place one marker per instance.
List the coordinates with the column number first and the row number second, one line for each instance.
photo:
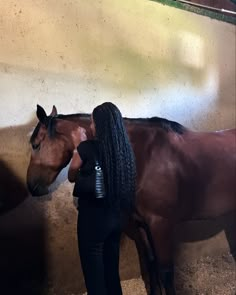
column 182, row 175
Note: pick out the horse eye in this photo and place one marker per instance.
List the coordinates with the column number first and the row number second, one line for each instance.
column 35, row 146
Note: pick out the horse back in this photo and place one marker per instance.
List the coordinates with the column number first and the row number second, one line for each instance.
column 185, row 176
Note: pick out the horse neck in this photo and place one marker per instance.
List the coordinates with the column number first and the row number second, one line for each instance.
column 66, row 125
column 84, row 122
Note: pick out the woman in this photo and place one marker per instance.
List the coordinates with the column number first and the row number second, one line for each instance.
column 100, row 220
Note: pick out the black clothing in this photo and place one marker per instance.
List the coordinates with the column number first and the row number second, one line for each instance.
column 99, row 242
column 99, row 232
column 89, row 154
column 88, row 151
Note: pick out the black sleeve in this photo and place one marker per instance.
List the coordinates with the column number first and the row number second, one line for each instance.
column 83, row 150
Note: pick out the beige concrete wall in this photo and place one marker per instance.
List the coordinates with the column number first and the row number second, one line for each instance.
column 149, row 59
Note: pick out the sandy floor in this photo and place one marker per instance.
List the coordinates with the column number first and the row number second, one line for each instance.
column 132, row 287
column 207, row 276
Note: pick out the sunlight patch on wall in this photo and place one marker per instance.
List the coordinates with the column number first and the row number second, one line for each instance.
column 191, row 50
column 126, row 44
column 183, row 103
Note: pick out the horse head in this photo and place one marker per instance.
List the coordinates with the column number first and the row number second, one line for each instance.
column 52, row 149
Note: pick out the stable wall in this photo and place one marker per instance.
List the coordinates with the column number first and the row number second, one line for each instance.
column 149, row 59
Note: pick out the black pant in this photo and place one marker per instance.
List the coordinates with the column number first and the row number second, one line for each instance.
column 99, row 233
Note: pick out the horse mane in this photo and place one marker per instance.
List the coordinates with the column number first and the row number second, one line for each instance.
column 71, row 116
column 167, row 125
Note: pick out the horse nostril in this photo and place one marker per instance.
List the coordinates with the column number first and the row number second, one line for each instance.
column 37, row 190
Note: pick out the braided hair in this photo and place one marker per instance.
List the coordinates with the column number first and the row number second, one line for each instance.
column 117, row 157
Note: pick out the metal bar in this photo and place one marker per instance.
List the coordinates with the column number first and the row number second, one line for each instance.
column 207, row 7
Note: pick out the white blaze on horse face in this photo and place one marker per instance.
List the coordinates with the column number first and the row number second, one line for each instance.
column 83, row 135
column 78, row 135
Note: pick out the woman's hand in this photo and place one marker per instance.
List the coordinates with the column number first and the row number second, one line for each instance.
column 75, row 165
column 78, row 135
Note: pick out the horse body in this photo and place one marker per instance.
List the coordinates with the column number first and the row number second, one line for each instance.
column 190, row 175
column 181, row 175
column 208, row 170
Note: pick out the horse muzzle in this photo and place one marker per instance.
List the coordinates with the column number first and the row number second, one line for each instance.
column 37, row 189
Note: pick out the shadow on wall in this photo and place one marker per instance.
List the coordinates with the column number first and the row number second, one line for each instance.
column 22, row 230
column 12, row 190
column 14, row 157
column 22, row 264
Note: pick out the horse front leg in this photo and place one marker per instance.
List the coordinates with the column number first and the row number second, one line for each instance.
column 149, row 264
column 138, row 231
column 162, row 237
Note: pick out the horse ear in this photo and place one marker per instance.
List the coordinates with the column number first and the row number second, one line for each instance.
column 54, row 111
column 41, row 114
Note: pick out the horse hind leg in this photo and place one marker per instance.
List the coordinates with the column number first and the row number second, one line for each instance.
column 149, row 263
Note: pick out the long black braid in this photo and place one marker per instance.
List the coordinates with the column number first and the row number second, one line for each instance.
column 117, row 157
